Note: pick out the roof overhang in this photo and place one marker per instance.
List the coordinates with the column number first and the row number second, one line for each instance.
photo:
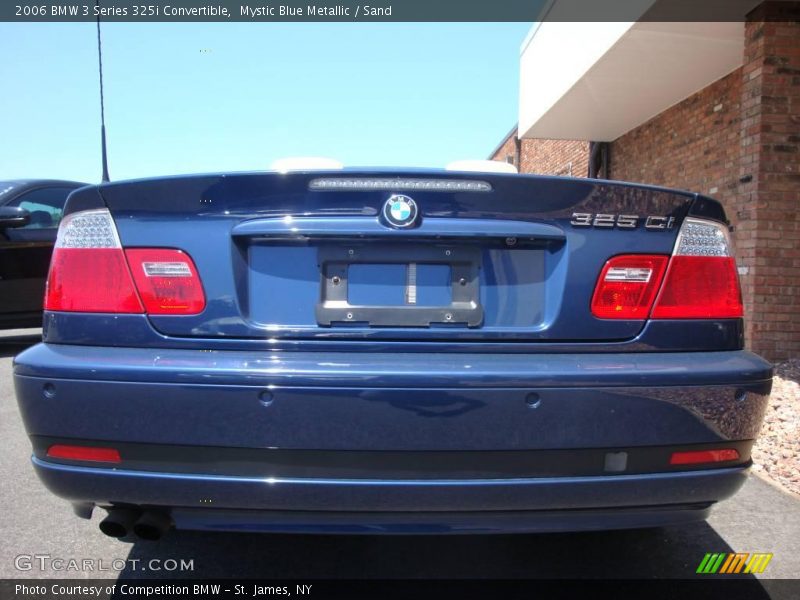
column 598, row 80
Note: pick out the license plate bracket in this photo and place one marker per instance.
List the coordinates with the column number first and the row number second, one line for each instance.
column 334, row 308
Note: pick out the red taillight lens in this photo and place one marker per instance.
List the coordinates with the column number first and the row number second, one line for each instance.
column 90, row 280
column 703, row 456
column 700, row 287
column 167, row 281
column 627, row 286
column 86, row 453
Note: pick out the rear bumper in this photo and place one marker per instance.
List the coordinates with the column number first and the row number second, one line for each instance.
column 402, row 506
column 377, row 435
column 436, row 523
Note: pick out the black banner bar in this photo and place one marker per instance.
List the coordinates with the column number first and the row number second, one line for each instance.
column 265, row 11
column 730, row 588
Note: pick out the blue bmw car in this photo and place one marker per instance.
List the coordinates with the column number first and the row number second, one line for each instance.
column 365, row 351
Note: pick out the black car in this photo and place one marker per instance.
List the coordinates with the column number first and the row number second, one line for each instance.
column 30, row 211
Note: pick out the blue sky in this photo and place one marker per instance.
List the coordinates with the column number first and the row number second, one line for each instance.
column 185, row 98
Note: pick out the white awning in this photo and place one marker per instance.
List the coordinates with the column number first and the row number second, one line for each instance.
column 596, row 81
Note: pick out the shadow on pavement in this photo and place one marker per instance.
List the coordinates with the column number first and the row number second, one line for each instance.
column 11, row 345
column 671, row 552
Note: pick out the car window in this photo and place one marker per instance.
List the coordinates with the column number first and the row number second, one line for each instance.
column 46, row 206
column 6, row 187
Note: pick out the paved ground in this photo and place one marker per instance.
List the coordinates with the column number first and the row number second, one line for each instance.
column 760, row 518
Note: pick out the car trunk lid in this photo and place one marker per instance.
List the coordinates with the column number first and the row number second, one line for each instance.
column 312, row 255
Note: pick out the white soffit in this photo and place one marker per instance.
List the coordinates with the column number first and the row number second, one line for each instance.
column 597, row 81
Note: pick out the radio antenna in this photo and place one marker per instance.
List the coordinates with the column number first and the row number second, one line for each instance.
column 102, row 104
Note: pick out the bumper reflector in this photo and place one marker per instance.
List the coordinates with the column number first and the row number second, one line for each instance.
column 87, row 453
column 703, row 456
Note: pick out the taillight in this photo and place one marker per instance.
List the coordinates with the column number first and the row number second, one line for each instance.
column 89, row 272
column 627, row 286
column 167, row 281
column 701, row 281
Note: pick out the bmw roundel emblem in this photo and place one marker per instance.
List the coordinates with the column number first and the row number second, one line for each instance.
column 400, row 211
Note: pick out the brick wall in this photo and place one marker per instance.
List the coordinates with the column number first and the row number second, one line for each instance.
column 737, row 140
column 555, row 157
column 769, row 234
column 546, row 157
column 694, row 145
column 507, row 150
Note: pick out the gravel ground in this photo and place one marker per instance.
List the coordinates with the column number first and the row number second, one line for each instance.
column 777, row 451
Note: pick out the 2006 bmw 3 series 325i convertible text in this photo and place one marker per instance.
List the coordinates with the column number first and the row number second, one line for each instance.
column 404, row 352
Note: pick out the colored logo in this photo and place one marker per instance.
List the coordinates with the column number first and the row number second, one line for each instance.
column 400, row 211
column 729, row 563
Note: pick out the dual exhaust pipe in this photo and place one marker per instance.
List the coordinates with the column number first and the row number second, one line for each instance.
column 148, row 525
